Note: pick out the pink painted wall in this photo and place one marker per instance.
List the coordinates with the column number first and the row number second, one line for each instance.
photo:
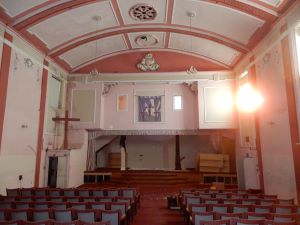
column 185, row 119
column 277, row 157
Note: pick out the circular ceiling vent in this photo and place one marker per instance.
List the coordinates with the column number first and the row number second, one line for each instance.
column 146, row 40
column 142, row 12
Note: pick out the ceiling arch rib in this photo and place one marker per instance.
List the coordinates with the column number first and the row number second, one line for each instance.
column 90, row 64
column 67, row 46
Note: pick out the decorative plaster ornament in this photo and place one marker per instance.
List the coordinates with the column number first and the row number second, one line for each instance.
column 107, row 87
column 142, row 12
column 148, row 63
column 146, row 40
column 28, row 63
column 193, row 86
column 16, row 62
column 192, row 70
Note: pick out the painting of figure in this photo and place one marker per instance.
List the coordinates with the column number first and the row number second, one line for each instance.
column 149, row 109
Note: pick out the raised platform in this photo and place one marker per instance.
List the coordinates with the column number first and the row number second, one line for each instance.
column 114, row 176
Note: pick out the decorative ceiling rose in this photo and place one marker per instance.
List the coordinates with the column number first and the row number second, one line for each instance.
column 148, row 63
column 146, row 40
column 142, row 12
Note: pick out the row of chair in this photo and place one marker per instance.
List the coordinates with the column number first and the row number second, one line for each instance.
column 52, row 222
column 250, row 218
column 236, row 208
column 63, row 199
column 65, row 205
column 71, row 192
column 244, row 222
column 114, row 216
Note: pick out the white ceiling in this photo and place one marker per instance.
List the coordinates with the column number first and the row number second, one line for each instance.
column 220, row 31
column 74, row 23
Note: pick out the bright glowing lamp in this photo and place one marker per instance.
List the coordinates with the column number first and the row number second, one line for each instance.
column 248, row 98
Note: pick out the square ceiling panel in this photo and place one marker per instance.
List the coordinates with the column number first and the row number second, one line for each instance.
column 215, row 18
column 203, row 47
column 88, row 51
column 15, row 7
column 73, row 23
column 147, row 11
column 147, row 39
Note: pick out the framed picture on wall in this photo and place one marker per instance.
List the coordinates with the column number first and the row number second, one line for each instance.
column 122, row 103
column 149, row 106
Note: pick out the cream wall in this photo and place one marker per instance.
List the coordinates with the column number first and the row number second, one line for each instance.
column 275, row 137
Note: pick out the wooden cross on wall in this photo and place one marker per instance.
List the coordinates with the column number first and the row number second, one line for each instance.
column 66, row 121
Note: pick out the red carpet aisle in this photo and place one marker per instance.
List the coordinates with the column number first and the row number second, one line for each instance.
column 154, row 209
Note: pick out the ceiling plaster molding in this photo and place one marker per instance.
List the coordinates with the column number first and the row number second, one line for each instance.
column 138, row 28
column 147, row 77
column 53, row 11
column 260, row 6
column 147, row 50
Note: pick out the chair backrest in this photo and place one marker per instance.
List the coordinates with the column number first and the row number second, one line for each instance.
column 262, row 208
column 54, row 192
column 70, row 192
column 267, row 201
column 128, row 192
column 284, row 209
column 241, row 208
column 13, row 192
column 5, row 205
column 246, row 201
column 212, row 200
column 222, row 195
column 12, row 222
column 112, row 192
column 223, row 216
column 22, row 205
column 98, row 205
column 269, row 196
column 197, row 217
column 246, row 222
column 26, row 192
column 221, row 208
column 105, row 199
column 198, row 208
column 63, row 215
column 40, row 192
column 19, row 214
column 123, row 206
column 78, row 205
column 282, row 217
column 113, row 216
column 256, row 216
column 83, row 192
column 95, row 223
column 40, row 205
column 41, row 214
column 45, row 222
column 89, row 215
column 272, row 222
column 216, row 222
column 97, row 192
column 89, row 199
column 56, row 199
column 40, row 198
column 192, row 200
column 59, row 205
column 3, row 214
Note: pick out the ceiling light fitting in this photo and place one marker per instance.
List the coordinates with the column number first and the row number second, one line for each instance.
column 97, row 19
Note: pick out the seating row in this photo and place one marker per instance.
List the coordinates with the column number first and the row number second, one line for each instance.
column 197, row 218
column 244, row 222
column 238, row 208
column 114, row 216
column 51, row 222
column 71, row 192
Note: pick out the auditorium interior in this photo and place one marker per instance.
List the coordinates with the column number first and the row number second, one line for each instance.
column 163, row 112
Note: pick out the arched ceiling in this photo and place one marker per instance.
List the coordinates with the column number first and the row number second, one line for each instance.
column 209, row 34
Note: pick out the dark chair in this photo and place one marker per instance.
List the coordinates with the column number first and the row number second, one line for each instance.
column 41, row 214
column 97, row 192
column 89, row 199
column 19, row 214
column 112, row 192
column 282, row 217
column 197, row 217
column 63, row 215
column 241, row 208
column 40, row 205
column 262, row 208
column 105, row 199
column 246, row 222
column 272, row 222
column 3, row 214
column 216, row 222
column 26, row 192
column 267, row 202
column 68, row 192
column 72, row 199
column 22, row 205
column 56, row 199
column 13, row 192
column 284, row 209
column 46, row 222
column 5, row 205
column 40, row 198
column 113, row 216
column 88, row 215
column 285, row 201
column 225, row 216
column 95, row 223
column 256, row 216
column 123, row 206
column 59, row 205
column 221, row 208
column 83, row 192
column 98, row 205
column 40, row 192
column 11, row 222
column 54, row 192
column 78, row 205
